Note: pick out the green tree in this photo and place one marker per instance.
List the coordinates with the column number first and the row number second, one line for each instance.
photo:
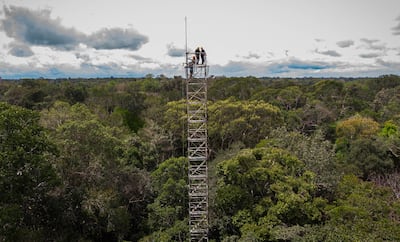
column 369, row 156
column 231, row 121
column 169, row 212
column 241, row 88
column 356, row 99
column 356, row 127
column 361, row 212
column 390, row 134
column 329, row 92
column 268, row 95
column 315, row 115
column 32, row 94
column 386, row 103
column 114, row 98
column 175, row 125
column 103, row 194
column 74, row 92
column 317, row 154
column 290, row 98
column 359, row 147
column 382, row 82
column 268, row 195
column 27, row 178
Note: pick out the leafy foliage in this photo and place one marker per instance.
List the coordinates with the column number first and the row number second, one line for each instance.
column 27, row 177
column 96, row 159
column 246, row 121
column 168, row 213
column 91, row 164
column 317, row 154
column 362, row 212
column 357, row 127
column 267, row 192
column 359, row 146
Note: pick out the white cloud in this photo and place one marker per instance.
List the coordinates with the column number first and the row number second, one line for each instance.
column 345, row 43
column 396, row 29
column 370, row 55
column 174, row 51
column 252, row 55
column 373, row 44
column 332, row 53
column 116, row 38
column 369, row 41
column 38, row 28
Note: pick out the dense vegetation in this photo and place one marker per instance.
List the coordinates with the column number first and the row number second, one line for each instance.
column 291, row 159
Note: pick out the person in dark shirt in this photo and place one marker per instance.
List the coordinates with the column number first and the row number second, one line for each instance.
column 203, row 56
column 197, row 54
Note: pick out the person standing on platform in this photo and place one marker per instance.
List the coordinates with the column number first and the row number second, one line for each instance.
column 203, row 56
column 197, row 54
column 191, row 64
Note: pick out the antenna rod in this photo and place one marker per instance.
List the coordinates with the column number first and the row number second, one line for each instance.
column 186, row 47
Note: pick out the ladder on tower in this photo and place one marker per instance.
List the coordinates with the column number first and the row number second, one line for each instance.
column 197, row 149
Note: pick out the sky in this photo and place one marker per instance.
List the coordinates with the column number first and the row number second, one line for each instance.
column 262, row 38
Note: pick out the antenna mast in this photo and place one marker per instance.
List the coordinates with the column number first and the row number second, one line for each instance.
column 186, row 46
column 197, row 149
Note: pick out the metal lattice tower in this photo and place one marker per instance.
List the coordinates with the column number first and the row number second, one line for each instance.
column 196, row 102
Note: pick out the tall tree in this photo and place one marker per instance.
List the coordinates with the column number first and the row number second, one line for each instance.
column 317, row 154
column 27, row 177
column 168, row 214
column 231, row 121
column 103, row 193
column 265, row 194
column 360, row 212
column 360, row 148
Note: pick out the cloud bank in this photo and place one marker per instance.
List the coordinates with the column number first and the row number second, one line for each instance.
column 38, row 28
column 42, row 46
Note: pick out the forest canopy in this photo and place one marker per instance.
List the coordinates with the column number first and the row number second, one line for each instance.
column 307, row 159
